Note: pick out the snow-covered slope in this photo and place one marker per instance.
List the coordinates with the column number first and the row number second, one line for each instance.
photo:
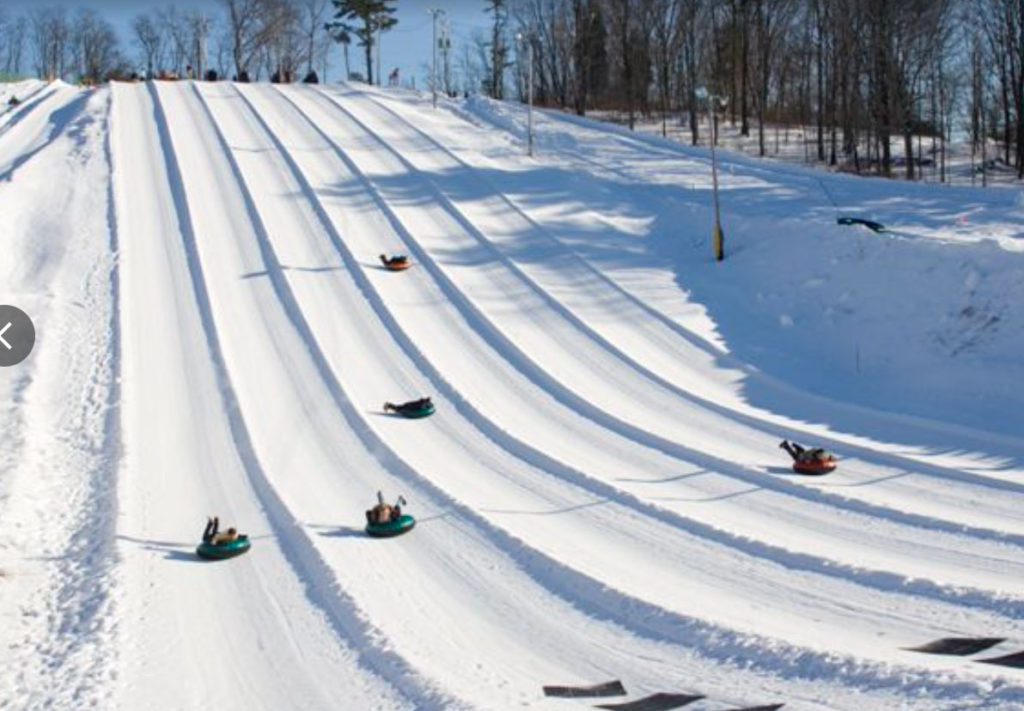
column 600, row 495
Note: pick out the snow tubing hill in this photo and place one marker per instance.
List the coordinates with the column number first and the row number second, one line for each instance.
column 404, row 524
column 209, row 551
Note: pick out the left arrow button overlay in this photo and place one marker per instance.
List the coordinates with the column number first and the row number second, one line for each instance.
column 17, row 335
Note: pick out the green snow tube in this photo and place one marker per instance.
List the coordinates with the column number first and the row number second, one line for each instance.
column 417, row 414
column 391, row 528
column 209, row 551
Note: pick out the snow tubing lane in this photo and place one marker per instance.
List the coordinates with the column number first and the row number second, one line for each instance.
column 391, row 529
column 209, row 551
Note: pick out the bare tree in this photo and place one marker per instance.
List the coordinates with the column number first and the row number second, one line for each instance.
column 283, row 39
column 473, row 64
column 627, row 25
column 150, row 41
column 498, row 60
column 176, row 38
column 770, row 19
column 312, row 15
column 252, row 25
column 666, row 32
column 12, row 42
column 51, row 36
column 94, row 47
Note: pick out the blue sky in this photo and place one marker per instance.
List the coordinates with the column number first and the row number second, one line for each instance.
column 406, row 47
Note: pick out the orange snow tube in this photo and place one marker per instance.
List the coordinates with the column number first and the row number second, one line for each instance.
column 815, row 466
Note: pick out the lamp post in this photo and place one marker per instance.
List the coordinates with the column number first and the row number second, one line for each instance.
column 433, row 67
column 718, row 237
column 529, row 93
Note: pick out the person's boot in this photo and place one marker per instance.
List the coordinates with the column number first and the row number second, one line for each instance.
column 789, row 448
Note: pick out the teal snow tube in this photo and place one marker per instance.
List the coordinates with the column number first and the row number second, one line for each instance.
column 417, row 414
column 391, row 528
column 209, row 551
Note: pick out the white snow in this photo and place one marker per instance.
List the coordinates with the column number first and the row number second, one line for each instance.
column 600, row 494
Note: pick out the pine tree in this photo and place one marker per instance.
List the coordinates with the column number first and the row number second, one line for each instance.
column 499, row 49
column 374, row 16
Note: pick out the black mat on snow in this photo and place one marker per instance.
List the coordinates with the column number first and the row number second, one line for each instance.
column 609, row 688
column 768, row 707
column 959, row 646
column 1015, row 660
column 870, row 224
column 654, row 702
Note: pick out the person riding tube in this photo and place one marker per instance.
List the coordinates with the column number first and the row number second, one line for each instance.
column 414, row 408
column 396, row 263
column 218, row 545
column 386, row 520
column 809, row 461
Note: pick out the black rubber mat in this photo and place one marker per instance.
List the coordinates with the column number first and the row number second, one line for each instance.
column 654, row 702
column 609, row 688
column 1015, row 660
column 959, row 646
column 767, row 707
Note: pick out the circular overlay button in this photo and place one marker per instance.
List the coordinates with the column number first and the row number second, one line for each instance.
column 17, row 335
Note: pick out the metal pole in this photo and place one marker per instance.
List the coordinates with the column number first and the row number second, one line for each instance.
column 433, row 66
column 718, row 236
column 529, row 105
column 433, row 63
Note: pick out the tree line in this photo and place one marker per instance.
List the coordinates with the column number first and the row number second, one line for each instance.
column 241, row 39
column 870, row 78
column 873, row 81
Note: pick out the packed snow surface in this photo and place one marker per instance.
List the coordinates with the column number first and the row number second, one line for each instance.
column 600, row 496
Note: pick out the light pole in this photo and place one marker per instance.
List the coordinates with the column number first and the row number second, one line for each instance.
column 433, row 67
column 529, row 93
column 718, row 236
